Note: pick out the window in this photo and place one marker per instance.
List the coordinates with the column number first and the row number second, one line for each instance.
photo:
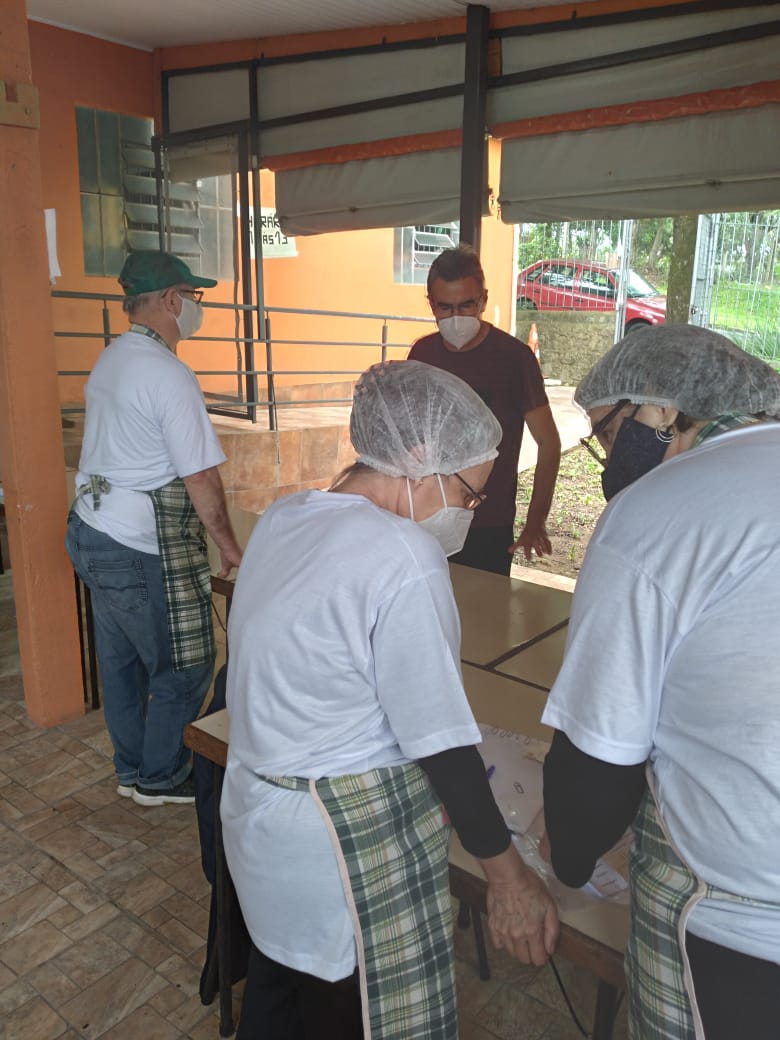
column 119, row 211
column 416, row 248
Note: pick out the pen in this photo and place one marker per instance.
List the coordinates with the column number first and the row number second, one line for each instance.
column 490, row 770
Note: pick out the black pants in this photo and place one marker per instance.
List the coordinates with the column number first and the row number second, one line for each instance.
column 487, row 549
column 281, row 1003
column 738, row 995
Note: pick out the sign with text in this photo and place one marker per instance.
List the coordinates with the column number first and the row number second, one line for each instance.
column 274, row 242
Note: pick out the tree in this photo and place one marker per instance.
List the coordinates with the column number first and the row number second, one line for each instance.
column 678, row 292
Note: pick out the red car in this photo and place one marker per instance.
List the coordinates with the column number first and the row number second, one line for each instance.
column 582, row 285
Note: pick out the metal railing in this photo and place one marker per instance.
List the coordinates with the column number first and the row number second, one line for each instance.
column 247, row 401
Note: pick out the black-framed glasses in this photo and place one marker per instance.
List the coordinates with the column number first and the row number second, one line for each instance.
column 468, row 308
column 599, row 428
column 476, row 498
column 196, row 295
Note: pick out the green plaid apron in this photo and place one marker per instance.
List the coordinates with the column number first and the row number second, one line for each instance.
column 393, row 848
column 664, row 892
column 186, row 576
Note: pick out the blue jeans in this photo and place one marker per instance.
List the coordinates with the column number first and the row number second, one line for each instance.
column 147, row 703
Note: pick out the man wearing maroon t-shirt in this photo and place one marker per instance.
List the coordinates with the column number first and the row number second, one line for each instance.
column 506, row 375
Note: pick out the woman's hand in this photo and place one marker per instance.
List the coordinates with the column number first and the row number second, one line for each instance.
column 522, row 915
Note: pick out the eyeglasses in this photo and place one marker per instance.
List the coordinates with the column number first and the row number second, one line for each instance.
column 476, row 498
column 599, row 428
column 196, row 295
column 468, row 308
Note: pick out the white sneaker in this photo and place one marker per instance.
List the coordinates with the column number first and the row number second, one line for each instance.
column 125, row 790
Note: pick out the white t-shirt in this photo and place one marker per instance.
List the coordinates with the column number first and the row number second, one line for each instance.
column 146, row 424
column 344, row 657
column 673, row 653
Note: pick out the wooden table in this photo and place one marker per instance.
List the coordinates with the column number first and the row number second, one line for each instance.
column 513, row 638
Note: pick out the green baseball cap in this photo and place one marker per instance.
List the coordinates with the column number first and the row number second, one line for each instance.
column 148, row 270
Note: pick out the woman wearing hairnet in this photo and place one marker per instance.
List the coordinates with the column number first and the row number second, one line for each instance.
column 350, row 727
column 667, row 706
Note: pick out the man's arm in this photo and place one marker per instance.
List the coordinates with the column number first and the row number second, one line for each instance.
column 542, row 428
column 208, row 497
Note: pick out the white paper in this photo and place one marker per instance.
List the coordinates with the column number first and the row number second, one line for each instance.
column 514, row 764
column 50, row 217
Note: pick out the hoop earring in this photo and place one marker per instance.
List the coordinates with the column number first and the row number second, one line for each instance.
column 665, row 436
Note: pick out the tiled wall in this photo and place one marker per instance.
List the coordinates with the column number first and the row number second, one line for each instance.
column 264, row 465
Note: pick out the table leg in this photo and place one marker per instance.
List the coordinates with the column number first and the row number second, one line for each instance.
column 607, row 998
column 224, row 895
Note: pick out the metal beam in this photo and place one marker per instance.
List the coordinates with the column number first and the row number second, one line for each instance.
column 473, row 152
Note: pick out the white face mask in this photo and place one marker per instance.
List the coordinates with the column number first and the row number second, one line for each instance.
column 459, row 330
column 190, row 317
column 449, row 526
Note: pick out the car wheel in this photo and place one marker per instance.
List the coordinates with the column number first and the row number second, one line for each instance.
column 633, row 325
column 525, row 305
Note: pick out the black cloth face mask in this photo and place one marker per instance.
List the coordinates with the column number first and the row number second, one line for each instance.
column 637, row 450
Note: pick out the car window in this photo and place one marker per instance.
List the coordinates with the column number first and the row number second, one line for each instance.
column 598, row 284
column 639, row 286
column 560, row 276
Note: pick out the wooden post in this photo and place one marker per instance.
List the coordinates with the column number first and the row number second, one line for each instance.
column 31, row 446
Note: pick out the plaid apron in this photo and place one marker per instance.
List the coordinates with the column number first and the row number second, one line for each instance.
column 392, row 847
column 184, row 563
column 664, row 892
column 186, row 576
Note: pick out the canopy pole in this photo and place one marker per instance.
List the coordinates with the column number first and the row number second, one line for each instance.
column 473, row 153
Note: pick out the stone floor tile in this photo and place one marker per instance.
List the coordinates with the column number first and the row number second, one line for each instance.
column 580, row 986
column 191, row 1013
column 43, row 767
column 33, row 946
column 185, row 909
column 167, row 1000
column 27, row 908
column 181, row 974
column 7, row 976
column 91, row 922
column 14, row 879
column 67, row 915
column 512, row 1015
column 19, row 993
column 207, row 1028
column 112, row 999
column 9, row 813
column 191, row 880
column 89, row 959
column 181, row 938
column 82, row 897
column 155, row 917
column 114, row 825
column 141, row 942
column 144, row 1024
column 52, row 984
column 34, row 1019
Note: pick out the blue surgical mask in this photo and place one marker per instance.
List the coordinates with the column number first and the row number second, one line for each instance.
column 637, row 450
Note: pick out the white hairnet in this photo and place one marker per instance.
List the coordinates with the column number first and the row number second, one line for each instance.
column 410, row 419
column 689, row 368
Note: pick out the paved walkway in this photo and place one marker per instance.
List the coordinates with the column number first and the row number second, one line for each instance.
column 570, row 420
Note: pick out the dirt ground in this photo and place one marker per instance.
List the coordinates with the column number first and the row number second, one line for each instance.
column 577, row 505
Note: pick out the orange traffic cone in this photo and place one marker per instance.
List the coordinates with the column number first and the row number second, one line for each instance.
column 533, row 341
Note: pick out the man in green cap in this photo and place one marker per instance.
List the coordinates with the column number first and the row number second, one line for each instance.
column 148, row 484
